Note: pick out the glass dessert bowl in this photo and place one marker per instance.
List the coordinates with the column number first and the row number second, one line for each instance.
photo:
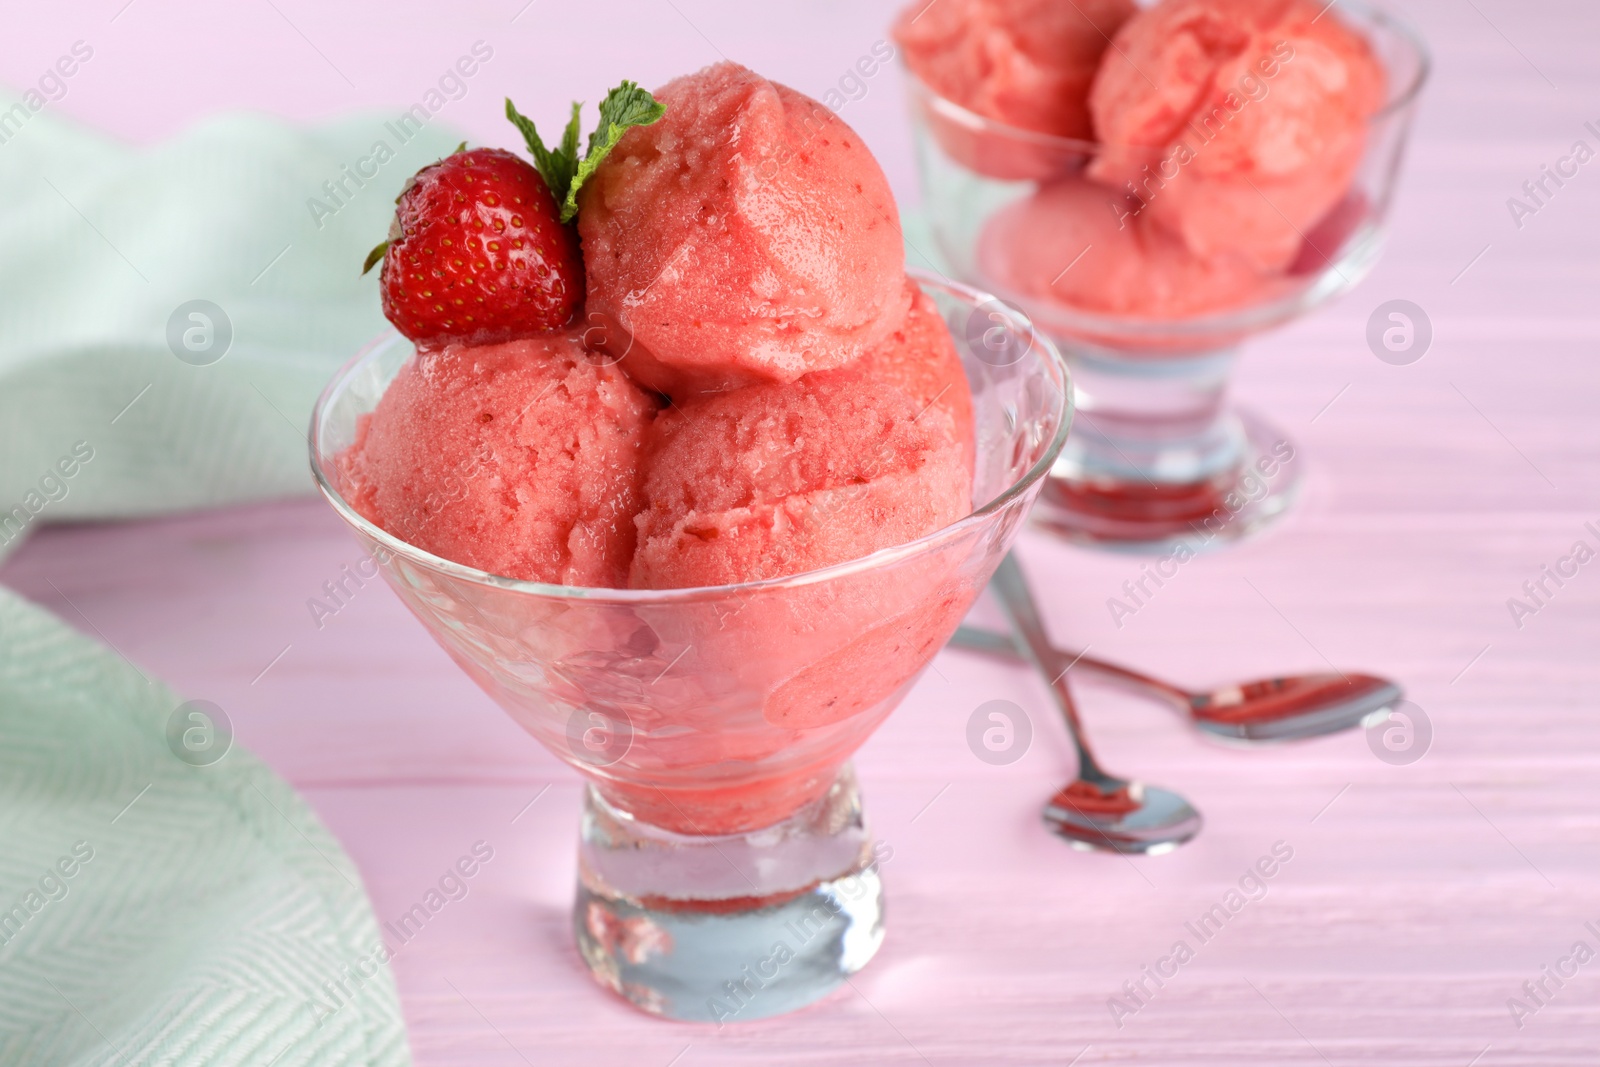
column 725, row 869
column 1159, row 457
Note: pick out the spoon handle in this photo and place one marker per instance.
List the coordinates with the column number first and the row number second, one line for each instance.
column 1016, row 600
column 993, row 643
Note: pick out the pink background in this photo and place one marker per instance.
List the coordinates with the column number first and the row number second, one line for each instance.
column 1419, row 897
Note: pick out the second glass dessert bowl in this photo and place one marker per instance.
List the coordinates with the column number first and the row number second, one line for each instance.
column 725, row 868
column 1159, row 458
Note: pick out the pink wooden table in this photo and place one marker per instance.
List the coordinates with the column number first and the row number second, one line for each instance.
column 1418, row 899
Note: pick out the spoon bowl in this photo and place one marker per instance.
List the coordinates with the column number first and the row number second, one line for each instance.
column 1096, row 811
column 1292, row 707
column 1133, row 818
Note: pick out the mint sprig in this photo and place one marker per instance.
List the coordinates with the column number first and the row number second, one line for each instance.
column 624, row 107
column 555, row 167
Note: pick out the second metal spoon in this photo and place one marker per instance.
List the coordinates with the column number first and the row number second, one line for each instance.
column 1271, row 709
column 1096, row 810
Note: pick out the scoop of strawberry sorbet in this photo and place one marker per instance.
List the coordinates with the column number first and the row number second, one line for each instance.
column 748, row 236
column 772, row 480
column 1080, row 244
column 1240, row 122
column 1024, row 63
column 920, row 360
column 521, row 459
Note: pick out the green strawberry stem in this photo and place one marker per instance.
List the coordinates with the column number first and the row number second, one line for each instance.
column 624, row 107
column 375, row 256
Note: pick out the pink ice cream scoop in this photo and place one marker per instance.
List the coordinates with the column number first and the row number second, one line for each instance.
column 1079, row 244
column 521, row 459
column 920, row 360
column 1240, row 123
column 772, row 480
column 749, row 236
column 1023, row 63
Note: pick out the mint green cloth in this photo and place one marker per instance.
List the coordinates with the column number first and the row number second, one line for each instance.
column 208, row 918
column 100, row 244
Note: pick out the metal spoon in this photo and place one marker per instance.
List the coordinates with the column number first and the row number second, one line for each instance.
column 1096, row 810
column 1270, row 709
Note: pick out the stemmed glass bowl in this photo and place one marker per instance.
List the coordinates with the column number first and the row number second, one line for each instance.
column 1159, row 458
column 725, row 868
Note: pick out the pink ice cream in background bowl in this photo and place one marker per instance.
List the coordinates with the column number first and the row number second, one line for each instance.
column 1008, row 80
column 1239, row 124
column 1238, row 171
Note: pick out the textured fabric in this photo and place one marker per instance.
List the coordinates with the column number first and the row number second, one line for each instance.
column 100, row 244
column 207, row 918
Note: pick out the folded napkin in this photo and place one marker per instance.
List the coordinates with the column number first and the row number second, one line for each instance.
column 100, row 246
column 162, row 910
column 152, row 910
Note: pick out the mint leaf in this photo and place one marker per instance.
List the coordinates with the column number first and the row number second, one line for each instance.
column 624, row 107
column 558, row 167
column 569, row 137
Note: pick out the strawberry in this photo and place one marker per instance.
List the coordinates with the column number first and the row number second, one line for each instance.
column 481, row 248
column 478, row 251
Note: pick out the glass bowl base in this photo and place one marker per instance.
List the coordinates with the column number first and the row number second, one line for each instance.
column 733, row 927
column 1091, row 502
